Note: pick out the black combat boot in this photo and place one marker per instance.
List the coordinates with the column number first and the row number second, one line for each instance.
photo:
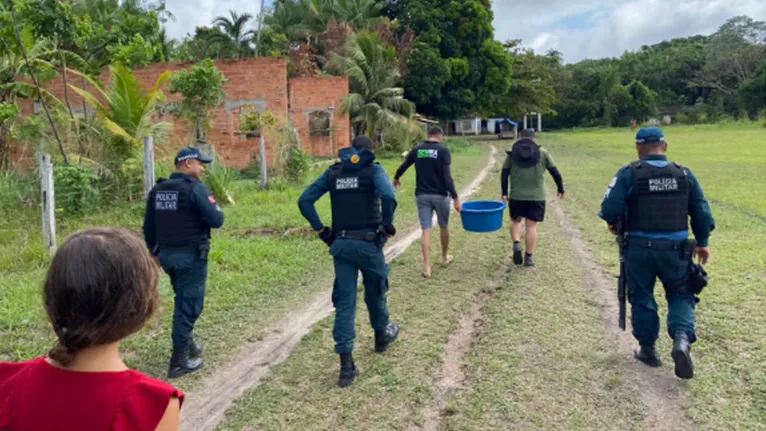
column 385, row 337
column 528, row 262
column 181, row 364
column 348, row 370
column 648, row 355
column 195, row 349
column 682, row 356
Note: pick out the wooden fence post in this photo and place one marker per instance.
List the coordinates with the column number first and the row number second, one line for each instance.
column 48, row 203
column 149, row 179
column 264, row 167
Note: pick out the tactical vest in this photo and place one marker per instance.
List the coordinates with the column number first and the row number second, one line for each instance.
column 660, row 198
column 355, row 205
column 177, row 221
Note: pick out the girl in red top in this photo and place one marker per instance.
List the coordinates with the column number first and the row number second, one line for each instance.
column 101, row 287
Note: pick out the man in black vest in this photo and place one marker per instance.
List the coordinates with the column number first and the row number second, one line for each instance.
column 180, row 212
column 651, row 200
column 363, row 203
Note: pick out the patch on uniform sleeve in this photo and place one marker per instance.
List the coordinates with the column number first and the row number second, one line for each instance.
column 613, row 183
column 166, row 200
column 211, row 199
column 355, row 159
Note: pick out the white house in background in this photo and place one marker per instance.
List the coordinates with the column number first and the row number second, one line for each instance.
column 468, row 126
column 478, row 126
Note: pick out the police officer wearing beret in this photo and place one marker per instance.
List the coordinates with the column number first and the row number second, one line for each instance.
column 180, row 212
column 652, row 199
column 363, row 203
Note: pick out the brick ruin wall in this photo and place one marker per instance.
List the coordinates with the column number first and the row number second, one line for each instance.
column 259, row 82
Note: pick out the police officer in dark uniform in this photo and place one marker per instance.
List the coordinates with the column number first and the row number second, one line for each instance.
column 363, row 203
column 652, row 199
column 180, row 212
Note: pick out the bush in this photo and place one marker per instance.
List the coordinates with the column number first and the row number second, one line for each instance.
column 297, row 165
column 18, row 191
column 75, row 189
column 402, row 137
column 219, row 179
column 457, row 145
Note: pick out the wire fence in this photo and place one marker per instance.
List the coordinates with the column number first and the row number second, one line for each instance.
column 42, row 200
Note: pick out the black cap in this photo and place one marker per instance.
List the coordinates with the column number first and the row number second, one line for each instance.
column 362, row 142
column 191, row 153
column 527, row 134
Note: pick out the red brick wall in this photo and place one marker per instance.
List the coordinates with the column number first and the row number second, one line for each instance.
column 320, row 92
column 261, row 79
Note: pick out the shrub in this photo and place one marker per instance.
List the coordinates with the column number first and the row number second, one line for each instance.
column 75, row 189
column 219, row 179
column 297, row 165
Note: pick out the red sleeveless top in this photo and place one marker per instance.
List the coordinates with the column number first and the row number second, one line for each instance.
column 36, row 396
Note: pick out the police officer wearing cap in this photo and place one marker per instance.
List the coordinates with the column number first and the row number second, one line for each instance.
column 651, row 201
column 180, row 212
column 363, row 203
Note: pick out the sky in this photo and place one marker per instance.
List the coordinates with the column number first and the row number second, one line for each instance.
column 577, row 28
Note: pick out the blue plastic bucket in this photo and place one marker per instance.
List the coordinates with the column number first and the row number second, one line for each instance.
column 482, row 216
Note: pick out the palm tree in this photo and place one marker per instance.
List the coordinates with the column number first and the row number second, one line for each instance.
column 234, row 29
column 291, row 19
column 362, row 15
column 374, row 102
column 127, row 111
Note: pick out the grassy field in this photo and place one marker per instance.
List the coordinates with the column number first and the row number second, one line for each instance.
column 538, row 357
column 531, row 364
column 484, row 344
column 729, row 389
column 253, row 279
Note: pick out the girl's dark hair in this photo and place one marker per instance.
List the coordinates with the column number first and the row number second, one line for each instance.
column 101, row 287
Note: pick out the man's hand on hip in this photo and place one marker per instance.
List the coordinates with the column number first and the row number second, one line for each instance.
column 703, row 254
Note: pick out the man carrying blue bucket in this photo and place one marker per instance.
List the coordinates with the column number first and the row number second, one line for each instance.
column 526, row 164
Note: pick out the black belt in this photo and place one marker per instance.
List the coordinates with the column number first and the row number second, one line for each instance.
column 356, row 234
column 656, row 244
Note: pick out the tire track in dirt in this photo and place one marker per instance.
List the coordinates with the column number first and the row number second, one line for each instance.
column 451, row 377
column 657, row 388
column 206, row 407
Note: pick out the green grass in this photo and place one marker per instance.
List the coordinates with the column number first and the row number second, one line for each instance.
column 729, row 388
column 540, row 360
column 253, row 279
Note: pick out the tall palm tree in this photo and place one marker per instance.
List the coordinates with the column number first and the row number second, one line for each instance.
column 374, row 102
column 362, row 15
column 234, row 29
column 291, row 19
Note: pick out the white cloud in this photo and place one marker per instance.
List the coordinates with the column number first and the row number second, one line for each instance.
column 578, row 28
column 195, row 13
column 595, row 28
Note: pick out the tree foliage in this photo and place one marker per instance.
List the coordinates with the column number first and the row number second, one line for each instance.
column 202, row 91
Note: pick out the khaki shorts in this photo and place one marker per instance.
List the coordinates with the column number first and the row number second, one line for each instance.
column 427, row 204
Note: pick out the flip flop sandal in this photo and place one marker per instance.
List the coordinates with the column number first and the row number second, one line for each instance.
column 450, row 259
